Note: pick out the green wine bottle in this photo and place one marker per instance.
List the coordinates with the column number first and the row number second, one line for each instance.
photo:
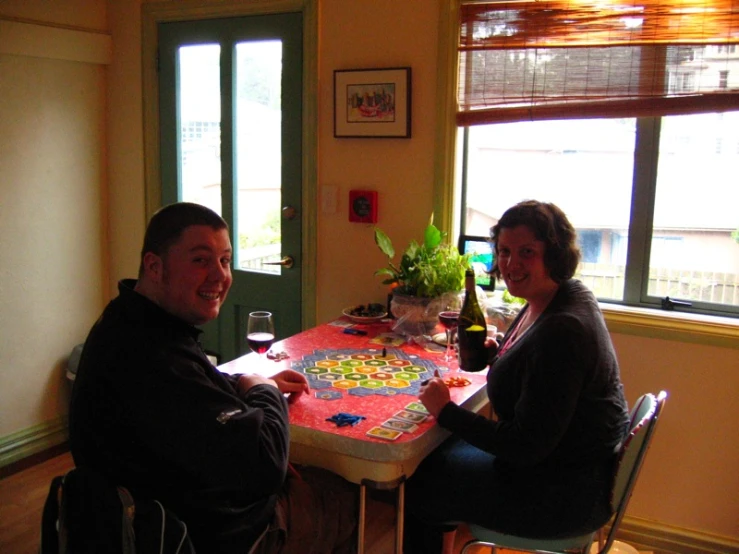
column 472, row 329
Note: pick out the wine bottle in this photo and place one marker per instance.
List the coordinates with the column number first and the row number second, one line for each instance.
column 472, row 329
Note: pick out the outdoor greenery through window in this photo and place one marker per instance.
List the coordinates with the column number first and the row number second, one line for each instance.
column 626, row 115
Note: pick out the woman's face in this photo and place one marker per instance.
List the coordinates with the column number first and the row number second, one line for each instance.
column 521, row 264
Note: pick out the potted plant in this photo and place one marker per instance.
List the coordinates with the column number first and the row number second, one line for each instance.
column 428, row 276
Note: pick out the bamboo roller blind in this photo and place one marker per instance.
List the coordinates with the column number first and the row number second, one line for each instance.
column 583, row 58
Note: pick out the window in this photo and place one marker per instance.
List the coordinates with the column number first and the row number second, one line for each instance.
column 723, row 79
column 632, row 129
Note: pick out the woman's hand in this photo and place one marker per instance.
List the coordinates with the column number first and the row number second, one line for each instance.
column 434, row 395
column 492, row 344
column 292, row 383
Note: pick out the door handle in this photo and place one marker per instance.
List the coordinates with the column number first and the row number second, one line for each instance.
column 289, row 213
column 287, row 262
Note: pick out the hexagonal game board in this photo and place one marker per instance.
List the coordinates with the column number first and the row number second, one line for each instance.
column 331, row 373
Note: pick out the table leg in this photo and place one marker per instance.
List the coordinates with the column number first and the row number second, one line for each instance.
column 362, row 517
column 399, row 519
column 399, row 484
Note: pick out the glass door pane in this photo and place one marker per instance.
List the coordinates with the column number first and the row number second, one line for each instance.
column 258, row 154
column 199, row 115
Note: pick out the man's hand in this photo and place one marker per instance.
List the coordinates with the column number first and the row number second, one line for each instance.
column 248, row 381
column 291, row 383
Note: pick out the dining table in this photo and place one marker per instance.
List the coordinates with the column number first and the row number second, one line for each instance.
column 360, row 377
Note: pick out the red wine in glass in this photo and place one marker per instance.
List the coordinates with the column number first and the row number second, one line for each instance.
column 449, row 319
column 260, row 342
column 260, row 333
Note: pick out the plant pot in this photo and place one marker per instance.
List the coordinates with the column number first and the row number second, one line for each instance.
column 415, row 315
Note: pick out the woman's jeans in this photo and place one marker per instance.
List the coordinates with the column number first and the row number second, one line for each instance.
column 461, row 483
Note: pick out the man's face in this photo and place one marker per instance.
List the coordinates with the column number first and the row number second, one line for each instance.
column 196, row 274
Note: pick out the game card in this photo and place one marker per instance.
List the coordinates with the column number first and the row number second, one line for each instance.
column 385, row 434
column 399, row 425
column 411, row 417
column 417, row 407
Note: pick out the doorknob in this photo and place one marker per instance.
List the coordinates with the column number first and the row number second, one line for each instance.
column 289, row 213
column 287, row 262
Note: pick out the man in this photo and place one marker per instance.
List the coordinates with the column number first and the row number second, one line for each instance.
column 154, row 415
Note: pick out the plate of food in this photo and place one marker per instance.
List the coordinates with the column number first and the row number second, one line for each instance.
column 440, row 338
column 365, row 313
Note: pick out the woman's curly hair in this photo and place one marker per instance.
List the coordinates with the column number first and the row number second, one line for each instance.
column 549, row 225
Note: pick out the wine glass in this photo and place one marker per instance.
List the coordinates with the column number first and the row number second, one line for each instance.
column 449, row 319
column 260, row 333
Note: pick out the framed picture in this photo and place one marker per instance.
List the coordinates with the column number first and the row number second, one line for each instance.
column 372, row 103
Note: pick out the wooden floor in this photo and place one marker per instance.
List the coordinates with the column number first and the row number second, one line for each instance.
column 22, row 496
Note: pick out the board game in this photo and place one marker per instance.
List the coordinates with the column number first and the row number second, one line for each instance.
column 333, row 373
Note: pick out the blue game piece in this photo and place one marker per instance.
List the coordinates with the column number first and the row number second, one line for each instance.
column 343, row 419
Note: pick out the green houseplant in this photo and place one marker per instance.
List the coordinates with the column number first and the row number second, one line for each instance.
column 428, row 269
column 429, row 274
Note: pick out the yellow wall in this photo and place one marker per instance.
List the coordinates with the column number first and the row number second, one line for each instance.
column 690, row 478
column 61, row 209
column 391, row 34
column 52, row 190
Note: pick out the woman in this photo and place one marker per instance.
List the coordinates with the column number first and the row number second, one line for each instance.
column 542, row 467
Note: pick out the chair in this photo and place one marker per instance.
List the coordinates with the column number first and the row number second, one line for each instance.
column 643, row 422
column 85, row 513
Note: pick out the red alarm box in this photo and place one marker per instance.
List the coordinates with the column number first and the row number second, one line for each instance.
column 363, row 206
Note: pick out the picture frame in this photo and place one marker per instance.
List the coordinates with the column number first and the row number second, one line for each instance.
column 372, row 103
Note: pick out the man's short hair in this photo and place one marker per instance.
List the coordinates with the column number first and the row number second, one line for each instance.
column 167, row 224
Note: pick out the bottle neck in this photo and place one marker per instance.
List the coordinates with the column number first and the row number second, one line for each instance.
column 469, row 283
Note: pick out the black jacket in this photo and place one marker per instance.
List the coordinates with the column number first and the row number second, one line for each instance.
column 154, row 415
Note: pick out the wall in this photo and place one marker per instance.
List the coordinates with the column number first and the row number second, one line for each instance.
column 401, row 170
column 125, row 142
column 690, row 479
column 52, row 189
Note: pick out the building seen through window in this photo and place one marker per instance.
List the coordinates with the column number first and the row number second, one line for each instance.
column 631, row 127
column 587, row 168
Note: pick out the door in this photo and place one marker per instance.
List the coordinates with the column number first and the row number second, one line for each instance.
column 230, row 104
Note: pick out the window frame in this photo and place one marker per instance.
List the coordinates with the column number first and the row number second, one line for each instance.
column 627, row 317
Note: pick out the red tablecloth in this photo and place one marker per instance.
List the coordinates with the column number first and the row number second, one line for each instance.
column 330, row 342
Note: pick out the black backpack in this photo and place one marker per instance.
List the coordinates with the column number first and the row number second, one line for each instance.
column 84, row 514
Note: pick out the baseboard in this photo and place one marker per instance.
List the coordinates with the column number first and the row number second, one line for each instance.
column 660, row 538
column 33, row 440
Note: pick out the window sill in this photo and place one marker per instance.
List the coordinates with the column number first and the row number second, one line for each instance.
column 675, row 326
